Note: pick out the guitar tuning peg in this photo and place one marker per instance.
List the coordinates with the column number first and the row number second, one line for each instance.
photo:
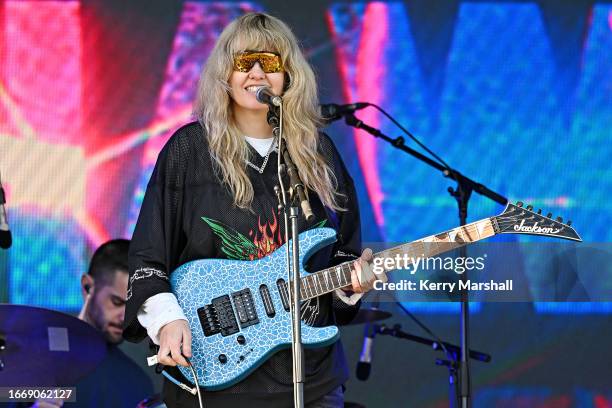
column 529, row 207
column 569, row 223
column 560, row 219
column 539, row 211
column 549, row 215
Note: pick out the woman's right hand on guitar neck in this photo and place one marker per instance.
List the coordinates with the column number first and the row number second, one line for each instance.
column 174, row 337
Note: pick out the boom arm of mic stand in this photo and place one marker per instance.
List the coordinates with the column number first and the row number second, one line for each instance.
column 397, row 332
column 398, row 143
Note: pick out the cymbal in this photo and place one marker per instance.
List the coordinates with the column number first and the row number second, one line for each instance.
column 369, row 315
column 46, row 348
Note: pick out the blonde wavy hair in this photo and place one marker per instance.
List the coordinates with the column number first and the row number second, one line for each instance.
column 301, row 118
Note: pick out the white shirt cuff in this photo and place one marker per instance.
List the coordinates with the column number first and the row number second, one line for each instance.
column 157, row 311
column 349, row 300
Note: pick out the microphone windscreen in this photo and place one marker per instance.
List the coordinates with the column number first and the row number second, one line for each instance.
column 263, row 94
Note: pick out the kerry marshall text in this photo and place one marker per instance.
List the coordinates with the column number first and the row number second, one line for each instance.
column 428, row 285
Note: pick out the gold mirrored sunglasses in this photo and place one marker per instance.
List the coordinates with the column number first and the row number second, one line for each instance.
column 268, row 61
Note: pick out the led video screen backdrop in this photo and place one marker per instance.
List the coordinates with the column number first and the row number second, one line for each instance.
column 517, row 95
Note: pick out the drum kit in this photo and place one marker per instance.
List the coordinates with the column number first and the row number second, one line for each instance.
column 46, row 348
column 54, row 349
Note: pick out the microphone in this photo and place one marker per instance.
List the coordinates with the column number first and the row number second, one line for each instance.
column 265, row 95
column 332, row 111
column 365, row 359
column 6, row 240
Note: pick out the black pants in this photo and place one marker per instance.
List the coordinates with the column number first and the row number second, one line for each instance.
column 175, row 397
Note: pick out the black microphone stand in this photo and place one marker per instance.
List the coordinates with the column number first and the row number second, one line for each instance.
column 462, row 193
column 287, row 204
column 452, row 352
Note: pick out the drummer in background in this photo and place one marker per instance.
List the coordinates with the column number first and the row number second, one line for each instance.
column 118, row 381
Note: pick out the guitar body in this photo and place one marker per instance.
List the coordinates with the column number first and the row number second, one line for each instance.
column 230, row 314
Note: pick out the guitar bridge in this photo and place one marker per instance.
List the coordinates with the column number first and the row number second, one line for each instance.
column 218, row 317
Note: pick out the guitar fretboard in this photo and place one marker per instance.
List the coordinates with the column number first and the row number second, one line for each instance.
column 330, row 279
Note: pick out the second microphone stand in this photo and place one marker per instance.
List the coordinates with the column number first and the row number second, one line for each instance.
column 452, row 353
column 462, row 193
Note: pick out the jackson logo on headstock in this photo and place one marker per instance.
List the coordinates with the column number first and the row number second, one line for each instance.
column 535, row 228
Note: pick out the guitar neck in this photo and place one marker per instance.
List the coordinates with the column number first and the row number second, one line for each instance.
column 330, row 279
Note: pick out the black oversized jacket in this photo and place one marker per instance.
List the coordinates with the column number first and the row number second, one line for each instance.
column 187, row 214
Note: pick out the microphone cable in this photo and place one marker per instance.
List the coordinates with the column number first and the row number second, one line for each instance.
column 193, row 391
column 410, row 135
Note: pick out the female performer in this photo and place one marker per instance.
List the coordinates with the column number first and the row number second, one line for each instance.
column 211, row 195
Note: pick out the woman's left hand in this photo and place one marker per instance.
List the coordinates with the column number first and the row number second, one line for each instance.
column 362, row 276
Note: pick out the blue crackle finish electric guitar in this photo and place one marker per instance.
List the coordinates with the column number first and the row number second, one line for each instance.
column 236, row 324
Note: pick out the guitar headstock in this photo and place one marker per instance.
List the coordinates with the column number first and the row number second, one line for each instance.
column 517, row 219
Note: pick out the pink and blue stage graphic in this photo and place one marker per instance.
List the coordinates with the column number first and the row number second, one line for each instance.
column 85, row 108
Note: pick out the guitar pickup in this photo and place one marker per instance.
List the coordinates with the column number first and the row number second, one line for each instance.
column 284, row 293
column 245, row 308
column 264, row 292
